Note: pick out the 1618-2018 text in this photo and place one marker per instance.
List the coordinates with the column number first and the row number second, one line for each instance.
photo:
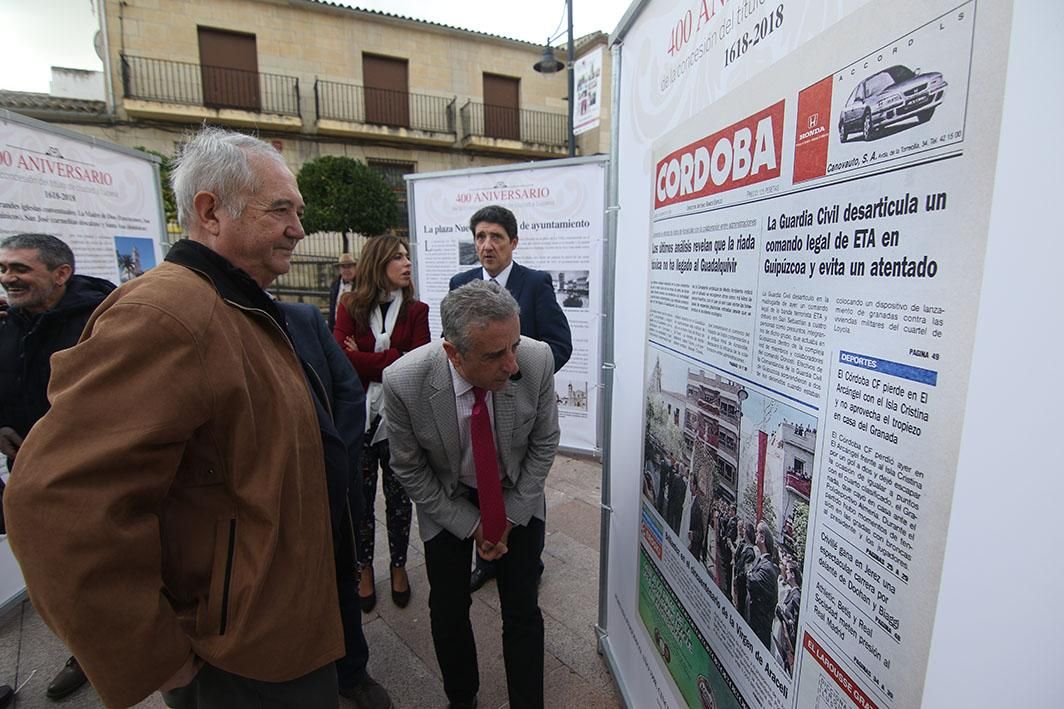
column 761, row 30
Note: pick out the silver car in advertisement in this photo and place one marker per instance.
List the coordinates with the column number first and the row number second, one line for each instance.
column 888, row 97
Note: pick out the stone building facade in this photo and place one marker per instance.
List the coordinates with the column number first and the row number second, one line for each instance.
column 315, row 78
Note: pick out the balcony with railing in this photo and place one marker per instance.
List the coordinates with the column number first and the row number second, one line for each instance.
column 799, row 483
column 161, row 88
column 514, row 131
column 349, row 109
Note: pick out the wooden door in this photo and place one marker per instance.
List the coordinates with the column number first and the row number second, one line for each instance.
column 387, row 92
column 502, row 115
column 229, row 69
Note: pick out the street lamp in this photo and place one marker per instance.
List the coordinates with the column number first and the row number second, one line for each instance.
column 549, row 64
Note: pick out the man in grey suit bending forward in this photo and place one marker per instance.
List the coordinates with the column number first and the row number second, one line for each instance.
column 473, row 425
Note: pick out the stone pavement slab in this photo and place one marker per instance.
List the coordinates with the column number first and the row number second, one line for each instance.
column 401, row 653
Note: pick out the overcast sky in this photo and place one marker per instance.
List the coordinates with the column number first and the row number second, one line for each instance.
column 38, row 34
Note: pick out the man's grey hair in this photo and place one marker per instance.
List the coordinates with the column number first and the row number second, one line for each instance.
column 51, row 251
column 216, row 160
column 770, row 541
column 475, row 305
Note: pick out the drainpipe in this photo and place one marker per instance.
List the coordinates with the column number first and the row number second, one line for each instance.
column 109, row 91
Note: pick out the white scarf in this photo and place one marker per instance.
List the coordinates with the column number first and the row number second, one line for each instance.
column 382, row 335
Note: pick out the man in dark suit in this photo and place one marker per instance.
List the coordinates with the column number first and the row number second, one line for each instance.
column 696, row 532
column 344, row 283
column 761, row 585
column 473, row 428
column 744, row 556
column 342, row 415
column 674, row 505
column 495, row 237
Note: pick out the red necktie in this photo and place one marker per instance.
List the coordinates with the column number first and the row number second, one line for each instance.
column 489, row 488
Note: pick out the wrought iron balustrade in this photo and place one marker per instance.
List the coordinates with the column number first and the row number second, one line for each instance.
column 191, row 84
column 504, row 122
column 399, row 109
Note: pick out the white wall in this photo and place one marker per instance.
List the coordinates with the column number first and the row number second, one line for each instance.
column 998, row 629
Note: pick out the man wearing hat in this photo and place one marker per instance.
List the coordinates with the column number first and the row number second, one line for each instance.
column 344, row 282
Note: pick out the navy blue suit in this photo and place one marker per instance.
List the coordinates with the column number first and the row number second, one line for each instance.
column 541, row 317
column 342, row 418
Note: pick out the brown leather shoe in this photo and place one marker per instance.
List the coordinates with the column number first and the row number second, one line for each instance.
column 67, row 681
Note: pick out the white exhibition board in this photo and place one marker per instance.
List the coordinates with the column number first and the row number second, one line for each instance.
column 560, row 208
column 102, row 199
column 805, row 191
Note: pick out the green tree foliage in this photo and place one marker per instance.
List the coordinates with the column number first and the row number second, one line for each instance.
column 346, row 195
column 748, row 508
column 661, row 427
column 800, row 523
column 166, row 163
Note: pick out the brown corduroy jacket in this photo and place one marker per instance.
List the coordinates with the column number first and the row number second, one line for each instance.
column 173, row 501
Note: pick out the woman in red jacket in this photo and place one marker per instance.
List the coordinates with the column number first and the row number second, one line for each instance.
column 378, row 323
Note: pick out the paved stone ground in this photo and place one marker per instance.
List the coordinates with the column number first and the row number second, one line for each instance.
column 401, row 654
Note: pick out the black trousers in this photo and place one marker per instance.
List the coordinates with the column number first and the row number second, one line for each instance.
column 488, row 567
column 217, row 689
column 398, row 509
column 447, row 563
column 351, row 668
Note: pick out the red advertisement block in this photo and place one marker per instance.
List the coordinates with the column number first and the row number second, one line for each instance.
column 744, row 153
column 842, row 679
column 812, row 130
column 762, row 453
column 652, row 539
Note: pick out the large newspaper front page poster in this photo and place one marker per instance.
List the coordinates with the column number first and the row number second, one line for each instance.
column 816, row 251
column 560, row 213
column 101, row 199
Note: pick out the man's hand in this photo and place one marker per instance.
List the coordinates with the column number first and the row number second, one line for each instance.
column 184, row 676
column 490, row 551
column 9, row 442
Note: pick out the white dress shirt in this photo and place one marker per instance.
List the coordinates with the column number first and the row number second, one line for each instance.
column 464, row 400
column 344, row 288
column 504, row 274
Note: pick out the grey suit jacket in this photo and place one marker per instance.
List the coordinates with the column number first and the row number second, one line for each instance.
column 425, row 448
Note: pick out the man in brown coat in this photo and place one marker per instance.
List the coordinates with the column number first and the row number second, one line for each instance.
column 171, row 513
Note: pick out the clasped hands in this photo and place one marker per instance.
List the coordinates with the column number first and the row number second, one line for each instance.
column 10, row 442
column 490, row 551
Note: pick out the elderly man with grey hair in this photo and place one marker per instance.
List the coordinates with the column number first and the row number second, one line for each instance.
column 176, row 522
column 473, row 426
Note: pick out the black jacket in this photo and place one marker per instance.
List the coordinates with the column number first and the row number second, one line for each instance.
column 27, row 344
column 761, row 593
column 328, row 366
column 334, row 295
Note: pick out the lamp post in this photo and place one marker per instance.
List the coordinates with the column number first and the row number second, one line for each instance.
column 549, row 64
